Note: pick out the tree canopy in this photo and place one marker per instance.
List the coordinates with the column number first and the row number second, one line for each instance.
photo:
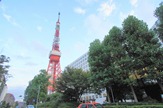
column 37, row 86
column 126, row 55
column 4, row 66
column 159, row 24
column 72, row 83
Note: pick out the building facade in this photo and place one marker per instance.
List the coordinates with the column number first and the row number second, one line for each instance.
column 82, row 63
column 3, row 88
column 9, row 98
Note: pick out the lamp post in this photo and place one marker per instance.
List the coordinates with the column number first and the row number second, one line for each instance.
column 38, row 95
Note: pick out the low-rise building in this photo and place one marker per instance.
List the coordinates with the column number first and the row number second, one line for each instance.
column 9, row 98
column 82, row 63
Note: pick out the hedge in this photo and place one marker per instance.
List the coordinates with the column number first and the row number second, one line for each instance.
column 135, row 106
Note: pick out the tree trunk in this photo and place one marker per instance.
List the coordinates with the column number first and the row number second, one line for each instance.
column 160, row 84
column 112, row 94
column 108, row 96
column 133, row 92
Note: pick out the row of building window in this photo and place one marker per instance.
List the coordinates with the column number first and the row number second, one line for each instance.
column 82, row 59
column 92, row 97
column 82, row 63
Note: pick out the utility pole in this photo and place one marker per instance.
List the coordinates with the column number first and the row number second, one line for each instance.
column 38, row 95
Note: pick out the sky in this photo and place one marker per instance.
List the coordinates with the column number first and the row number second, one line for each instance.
column 27, row 30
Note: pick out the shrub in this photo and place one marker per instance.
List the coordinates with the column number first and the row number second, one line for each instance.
column 150, row 100
column 134, row 106
column 66, row 105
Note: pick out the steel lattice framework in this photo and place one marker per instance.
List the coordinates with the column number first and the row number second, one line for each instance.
column 54, row 69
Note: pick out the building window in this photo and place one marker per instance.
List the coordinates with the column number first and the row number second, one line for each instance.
column 100, row 96
column 93, row 97
column 104, row 95
column 89, row 97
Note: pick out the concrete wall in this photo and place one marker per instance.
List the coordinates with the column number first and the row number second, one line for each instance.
column 3, row 93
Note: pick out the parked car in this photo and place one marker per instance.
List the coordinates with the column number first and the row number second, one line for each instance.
column 90, row 105
column 30, row 106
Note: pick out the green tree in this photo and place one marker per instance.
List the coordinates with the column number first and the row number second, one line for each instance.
column 113, row 45
column 4, row 66
column 38, row 84
column 133, row 30
column 159, row 61
column 104, row 60
column 3, row 70
column 55, row 99
column 143, row 49
column 96, row 66
column 72, row 83
column 5, row 105
column 159, row 25
column 125, row 56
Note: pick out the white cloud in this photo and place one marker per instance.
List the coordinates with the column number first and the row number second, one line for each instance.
column 3, row 7
column 89, row 1
column 134, row 2
column 79, row 10
column 7, row 17
column 86, row 2
column 22, row 56
column 39, row 28
column 145, row 11
column 31, row 64
column 10, row 19
column 125, row 15
column 97, row 27
column 20, row 75
column 106, row 8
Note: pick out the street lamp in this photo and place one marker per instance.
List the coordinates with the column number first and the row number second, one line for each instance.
column 38, row 95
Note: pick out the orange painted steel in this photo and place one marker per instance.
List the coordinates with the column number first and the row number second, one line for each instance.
column 54, row 69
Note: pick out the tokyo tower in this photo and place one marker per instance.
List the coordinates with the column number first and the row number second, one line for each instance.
column 54, row 69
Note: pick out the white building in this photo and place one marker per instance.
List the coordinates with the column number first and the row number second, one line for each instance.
column 82, row 63
column 3, row 92
column 3, row 88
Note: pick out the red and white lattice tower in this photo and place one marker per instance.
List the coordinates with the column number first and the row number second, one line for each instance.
column 54, row 69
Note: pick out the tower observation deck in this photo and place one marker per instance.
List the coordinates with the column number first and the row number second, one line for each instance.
column 54, row 69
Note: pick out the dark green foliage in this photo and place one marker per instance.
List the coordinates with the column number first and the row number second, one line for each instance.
column 38, row 84
column 159, row 25
column 96, row 64
column 3, row 66
column 55, row 99
column 134, row 105
column 143, row 48
column 125, row 56
column 5, row 105
column 105, row 60
column 3, row 71
column 150, row 100
column 72, row 83
column 60, row 105
column 68, row 105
